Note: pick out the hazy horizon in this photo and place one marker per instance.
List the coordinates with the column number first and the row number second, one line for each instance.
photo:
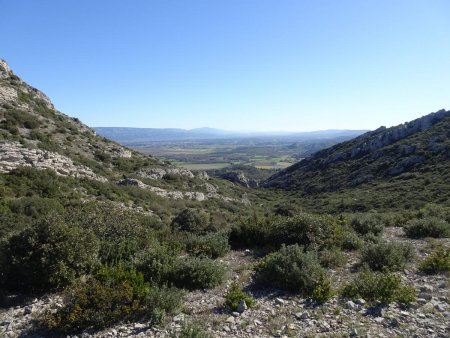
column 236, row 131
column 246, row 66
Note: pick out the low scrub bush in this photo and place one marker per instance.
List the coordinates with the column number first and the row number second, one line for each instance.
column 50, row 254
column 323, row 290
column 212, row 245
column 191, row 330
column 309, row 230
column 351, row 241
column 122, row 233
column 162, row 301
column 35, row 207
column 367, row 224
column 387, row 256
column 379, row 286
column 235, row 295
column 98, row 303
column 332, row 258
column 112, row 295
column 434, row 210
column 161, row 265
column 157, row 264
column 438, row 261
column 293, row 269
column 197, row 273
column 427, row 227
column 252, row 231
column 192, row 221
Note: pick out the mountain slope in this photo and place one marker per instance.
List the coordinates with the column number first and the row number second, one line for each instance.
column 35, row 137
column 411, row 151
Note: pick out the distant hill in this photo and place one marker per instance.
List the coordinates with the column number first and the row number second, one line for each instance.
column 133, row 136
column 414, row 154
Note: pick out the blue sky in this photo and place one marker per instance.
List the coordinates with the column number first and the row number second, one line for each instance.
column 233, row 64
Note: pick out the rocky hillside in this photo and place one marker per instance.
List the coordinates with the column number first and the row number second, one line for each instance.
column 34, row 134
column 411, row 151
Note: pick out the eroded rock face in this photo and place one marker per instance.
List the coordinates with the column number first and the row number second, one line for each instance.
column 241, row 179
column 203, row 175
column 14, row 155
column 5, row 71
column 8, row 95
column 178, row 195
column 159, row 173
column 172, row 194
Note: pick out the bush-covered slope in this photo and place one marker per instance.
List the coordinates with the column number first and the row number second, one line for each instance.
column 417, row 151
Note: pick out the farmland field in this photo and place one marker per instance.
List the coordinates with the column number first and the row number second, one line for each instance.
column 263, row 153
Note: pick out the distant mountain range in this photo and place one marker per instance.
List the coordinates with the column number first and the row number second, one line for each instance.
column 131, row 136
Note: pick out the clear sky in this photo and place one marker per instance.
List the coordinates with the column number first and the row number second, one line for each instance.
column 233, row 64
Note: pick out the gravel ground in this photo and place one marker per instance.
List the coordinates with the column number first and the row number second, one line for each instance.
column 279, row 314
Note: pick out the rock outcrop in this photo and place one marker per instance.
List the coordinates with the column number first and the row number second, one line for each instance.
column 14, row 155
column 160, row 173
column 6, row 72
column 240, row 178
column 178, row 195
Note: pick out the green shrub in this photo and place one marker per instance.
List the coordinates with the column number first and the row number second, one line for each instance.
column 387, row 256
column 235, row 295
column 113, row 295
column 191, row 330
column 252, row 231
column 191, row 220
column 161, row 265
column 379, row 286
column 212, row 245
column 438, row 261
column 35, row 207
column 293, row 269
column 157, row 263
column 162, row 301
column 332, row 258
column 367, row 223
column 122, row 232
column 323, row 290
column 49, row 255
column 427, row 227
column 17, row 118
column 197, row 273
column 309, row 230
column 102, row 156
column 27, row 181
column 351, row 241
column 433, row 210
